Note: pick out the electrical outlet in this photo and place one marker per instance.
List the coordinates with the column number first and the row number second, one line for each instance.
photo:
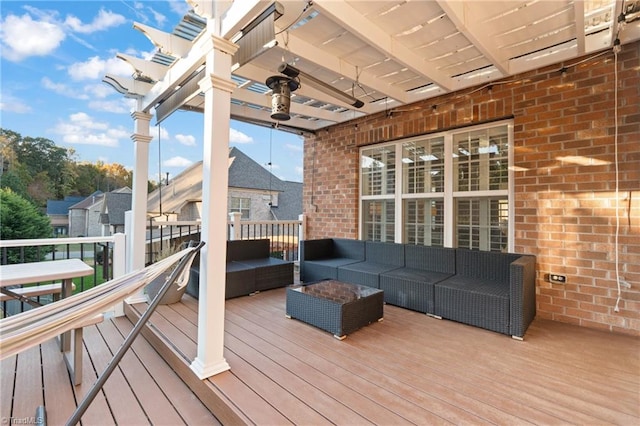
column 558, row 279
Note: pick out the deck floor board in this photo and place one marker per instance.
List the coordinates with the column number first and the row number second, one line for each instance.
column 187, row 405
column 461, row 373
column 142, row 390
column 407, row 369
column 28, row 389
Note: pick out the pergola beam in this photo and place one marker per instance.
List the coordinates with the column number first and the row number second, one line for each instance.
column 167, row 43
column 332, row 63
column 357, row 24
column 475, row 32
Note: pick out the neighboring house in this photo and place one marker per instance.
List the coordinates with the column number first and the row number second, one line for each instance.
column 58, row 212
column 80, row 214
column 114, row 205
column 253, row 191
column 100, row 214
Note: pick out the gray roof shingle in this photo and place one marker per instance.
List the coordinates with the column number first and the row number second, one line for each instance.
column 61, row 207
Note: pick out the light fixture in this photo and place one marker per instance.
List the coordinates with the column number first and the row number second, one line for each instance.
column 281, row 97
column 293, row 72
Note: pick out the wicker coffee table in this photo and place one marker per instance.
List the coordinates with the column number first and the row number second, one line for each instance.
column 337, row 307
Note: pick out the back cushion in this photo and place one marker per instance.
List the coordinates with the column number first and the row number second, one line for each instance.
column 316, row 249
column 436, row 259
column 485, row 265
column 387, row 253
column 247, row 249
column 351, row 249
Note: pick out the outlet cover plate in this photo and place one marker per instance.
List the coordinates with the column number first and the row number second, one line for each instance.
column 558, row 279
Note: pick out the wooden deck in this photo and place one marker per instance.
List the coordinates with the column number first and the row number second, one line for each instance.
column 407, row 369
column 143, row 390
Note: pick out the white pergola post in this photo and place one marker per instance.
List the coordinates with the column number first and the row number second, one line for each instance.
column 217, row 87
column 137, row 240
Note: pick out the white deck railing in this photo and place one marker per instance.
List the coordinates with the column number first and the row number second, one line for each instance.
column 107, row 256
column 284, row 236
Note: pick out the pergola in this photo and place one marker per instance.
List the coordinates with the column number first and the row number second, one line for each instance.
column 354, row 58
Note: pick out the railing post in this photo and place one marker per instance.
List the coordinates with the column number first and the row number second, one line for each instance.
column 128, row 223
column 119, row 266
column 301, row 231
column 235, row 233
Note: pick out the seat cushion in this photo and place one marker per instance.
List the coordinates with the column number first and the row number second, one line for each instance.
column 482, row 303
column 270, row 272
column 364, row 273
column 410, row 288
column 321, row 269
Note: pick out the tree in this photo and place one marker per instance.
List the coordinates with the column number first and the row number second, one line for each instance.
column 46, row 165
column 20, row 219
column 38, row 170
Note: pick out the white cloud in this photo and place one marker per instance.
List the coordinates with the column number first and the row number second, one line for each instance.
column 292, row 147
column 82, row 129
column 40, row 32
column 187, row 140
column 236, row 136
column 159, row 17
column 299, row 170
column 180, row 7
column 93, row 92
column 62, row 89
column 10, row 103
column 95, row 68
column 104, row 20
column 22, row 37
column 159, row 131
column 99, row 90
column 116, row 107
column 177, row 162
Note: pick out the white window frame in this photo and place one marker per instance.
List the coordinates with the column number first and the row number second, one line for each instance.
column 448, row 195
column 242, row 208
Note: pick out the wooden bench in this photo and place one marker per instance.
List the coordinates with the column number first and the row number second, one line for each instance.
column 36, row 290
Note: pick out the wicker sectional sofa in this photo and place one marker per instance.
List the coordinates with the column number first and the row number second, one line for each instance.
column 494, row 291
column 249, row 269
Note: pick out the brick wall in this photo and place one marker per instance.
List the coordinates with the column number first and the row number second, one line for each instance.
column 565, row 204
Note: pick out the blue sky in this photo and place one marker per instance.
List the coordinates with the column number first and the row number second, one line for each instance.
column 53, row 57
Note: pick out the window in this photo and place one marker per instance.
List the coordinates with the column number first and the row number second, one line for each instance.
column 481, row 224
column 378, row 171
column 480, row 160
column 453, row 189
column 379, row 220
column 424, row 221
column 423, row 166
column 241, row 205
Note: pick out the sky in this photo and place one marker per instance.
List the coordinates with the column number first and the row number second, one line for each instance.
column 54, row 55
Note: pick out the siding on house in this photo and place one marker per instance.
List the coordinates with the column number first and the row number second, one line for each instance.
column 58, row 213
column 565, row 213
column 79, row 215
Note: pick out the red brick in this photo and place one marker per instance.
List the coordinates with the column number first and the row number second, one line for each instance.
column 564, row 213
